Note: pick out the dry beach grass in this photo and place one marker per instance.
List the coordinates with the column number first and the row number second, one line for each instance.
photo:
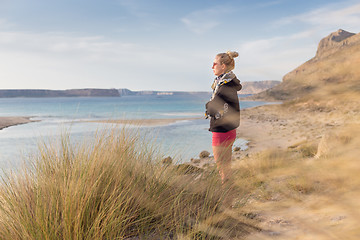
column 112, row 188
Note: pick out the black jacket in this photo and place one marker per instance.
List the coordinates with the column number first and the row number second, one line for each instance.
column 224, row 108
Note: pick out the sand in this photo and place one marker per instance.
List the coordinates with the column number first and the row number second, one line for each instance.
column 276, row 127
column 272, row 127
column 12, row 121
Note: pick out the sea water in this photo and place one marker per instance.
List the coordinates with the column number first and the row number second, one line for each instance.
column 182, row 140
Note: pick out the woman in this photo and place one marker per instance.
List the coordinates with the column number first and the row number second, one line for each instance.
column 224, row 111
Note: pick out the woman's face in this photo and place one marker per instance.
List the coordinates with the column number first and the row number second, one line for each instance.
column 217, row 67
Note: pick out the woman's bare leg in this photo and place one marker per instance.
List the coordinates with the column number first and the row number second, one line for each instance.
column 222, row 155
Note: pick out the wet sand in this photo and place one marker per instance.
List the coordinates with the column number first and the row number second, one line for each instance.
column 12, row 121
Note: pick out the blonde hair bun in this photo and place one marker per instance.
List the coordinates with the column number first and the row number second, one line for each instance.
column 232, row 54
column 228, row 59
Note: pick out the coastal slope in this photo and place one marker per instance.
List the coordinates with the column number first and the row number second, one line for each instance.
column 320, row 95
column 332, row 73
column 257, row 86
column 303, row 154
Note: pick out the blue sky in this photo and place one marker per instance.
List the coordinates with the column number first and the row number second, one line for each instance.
column 158, row 44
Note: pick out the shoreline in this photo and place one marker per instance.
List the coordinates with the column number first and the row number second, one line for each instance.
column 145, row 122
column 264, row 127
column 6, row 122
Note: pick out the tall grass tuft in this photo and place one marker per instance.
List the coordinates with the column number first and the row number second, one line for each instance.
column 111, row 188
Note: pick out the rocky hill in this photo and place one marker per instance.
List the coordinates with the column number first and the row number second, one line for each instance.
column 257, row 86
column 334, row 42
column 334, row 71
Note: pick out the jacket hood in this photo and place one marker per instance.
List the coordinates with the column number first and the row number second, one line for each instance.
column 236, row 84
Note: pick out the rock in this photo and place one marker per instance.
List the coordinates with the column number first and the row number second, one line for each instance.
column 204, row 154
column 338, row 218
column 167, row 161
column 333, row 42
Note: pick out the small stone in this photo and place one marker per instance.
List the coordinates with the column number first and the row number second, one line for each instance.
column 338, row 218
column 236, row 149
column 204, row 154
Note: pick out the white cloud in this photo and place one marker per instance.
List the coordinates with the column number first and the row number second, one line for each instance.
column 348, row 16
column 4, row 24
column 63, row 45
column 331, row 16
column 60, row 60
column 66, row 60
column 205, row 20
column 199, row 26
column 271, row 59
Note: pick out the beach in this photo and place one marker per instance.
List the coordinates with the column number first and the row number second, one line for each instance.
column 271, row 127
column 279, row 127
column 12, row 121
column 275, row 127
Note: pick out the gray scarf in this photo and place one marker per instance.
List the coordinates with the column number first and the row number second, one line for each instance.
column 221, row 80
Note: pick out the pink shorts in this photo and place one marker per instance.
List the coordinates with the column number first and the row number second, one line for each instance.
column 223, row 138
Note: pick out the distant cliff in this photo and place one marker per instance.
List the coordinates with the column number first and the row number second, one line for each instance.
column 257, row 87
column 10, row 93
column 88, row 92
column 127, row 92
column 248, row 88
